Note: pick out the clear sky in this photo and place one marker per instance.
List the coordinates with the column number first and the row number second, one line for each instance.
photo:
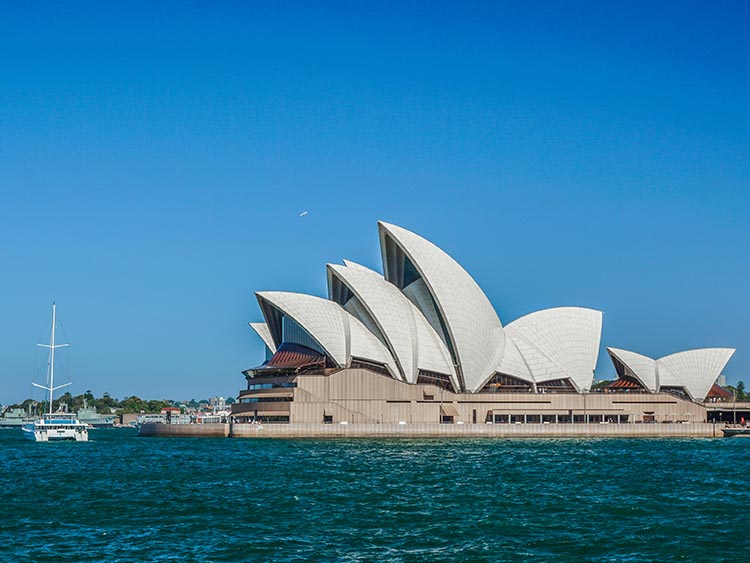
column 155, row 157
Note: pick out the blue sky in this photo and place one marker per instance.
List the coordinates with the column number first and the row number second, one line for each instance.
column 154, row 159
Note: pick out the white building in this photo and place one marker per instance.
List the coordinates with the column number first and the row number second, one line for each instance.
column 423, row 341
column 692, row 373
column 427, row 321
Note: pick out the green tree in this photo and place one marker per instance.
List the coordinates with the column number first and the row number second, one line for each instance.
column 156, row 406
column 66, row 398
column 104, row 404
column 133, row 404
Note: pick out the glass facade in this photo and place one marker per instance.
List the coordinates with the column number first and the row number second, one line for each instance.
column 292, row 332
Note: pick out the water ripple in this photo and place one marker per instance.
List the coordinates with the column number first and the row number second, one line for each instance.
column 121, row 498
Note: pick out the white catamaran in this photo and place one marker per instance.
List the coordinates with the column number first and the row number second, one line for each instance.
column 54, row 426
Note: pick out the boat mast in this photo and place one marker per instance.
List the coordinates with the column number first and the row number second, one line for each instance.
column 51, row 373
column 52, row 356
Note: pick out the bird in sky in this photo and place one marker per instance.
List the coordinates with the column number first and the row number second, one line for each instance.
column 303, row 214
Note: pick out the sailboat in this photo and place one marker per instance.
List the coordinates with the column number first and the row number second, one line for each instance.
column 55, row 426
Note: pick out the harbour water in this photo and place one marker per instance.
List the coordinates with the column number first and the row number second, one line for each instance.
column 122, row 498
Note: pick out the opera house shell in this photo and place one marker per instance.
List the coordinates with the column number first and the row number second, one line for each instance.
column 692, row 373
column 417, row 342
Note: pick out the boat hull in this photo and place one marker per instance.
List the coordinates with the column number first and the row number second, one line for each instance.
column 13, row 423
column 74, row 432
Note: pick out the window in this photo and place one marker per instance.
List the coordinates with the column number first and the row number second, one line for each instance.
column 556, row 386
column 435, row 378
column 267, row 400
column 292, row 332
column 371, row 366
column 275, row 385
column 273, row 419
column 501, row 383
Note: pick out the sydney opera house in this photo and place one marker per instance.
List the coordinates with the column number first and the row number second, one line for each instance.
column 422, row 343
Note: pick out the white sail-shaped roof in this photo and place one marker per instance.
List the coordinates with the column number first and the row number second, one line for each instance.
column 467, row 319
column 265, row 334
column 540, row 365
column 696, row 370
column 638, row 366
column 340, row 334
column 412, row 341
column 568, row 337
column 513, row 362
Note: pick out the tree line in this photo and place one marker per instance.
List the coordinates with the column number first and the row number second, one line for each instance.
column 106, row 404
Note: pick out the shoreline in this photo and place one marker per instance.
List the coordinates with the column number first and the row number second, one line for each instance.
column 255, row 431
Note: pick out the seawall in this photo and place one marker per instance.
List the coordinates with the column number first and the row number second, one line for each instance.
column 696, row 430
column 185, row 430
column 701, row 430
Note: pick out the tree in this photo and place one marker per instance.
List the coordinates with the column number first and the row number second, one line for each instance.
column 104, row 404
column 66, row 398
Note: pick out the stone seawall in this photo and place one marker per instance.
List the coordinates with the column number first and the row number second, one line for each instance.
column 702, row 430
column 697, row 430
column 185, row 430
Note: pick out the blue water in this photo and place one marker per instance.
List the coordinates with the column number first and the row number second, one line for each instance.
column 122, row 498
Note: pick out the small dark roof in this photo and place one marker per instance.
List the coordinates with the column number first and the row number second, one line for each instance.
column 292, row 356
column 624, row 383
column 718, row 391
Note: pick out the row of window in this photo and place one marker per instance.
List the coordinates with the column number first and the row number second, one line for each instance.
column 267, row 400
column 293, row 332
column 557, row 418
column 435, row 378
column 261, row 419
column 276, row 385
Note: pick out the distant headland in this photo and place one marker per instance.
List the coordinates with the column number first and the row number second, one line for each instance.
column 108, row 405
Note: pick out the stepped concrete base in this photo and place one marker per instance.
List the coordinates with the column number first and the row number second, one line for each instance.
column 698, row 430
column 185, row 430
